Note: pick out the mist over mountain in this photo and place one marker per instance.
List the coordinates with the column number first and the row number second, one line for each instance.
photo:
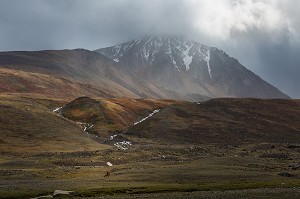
column 190, row 68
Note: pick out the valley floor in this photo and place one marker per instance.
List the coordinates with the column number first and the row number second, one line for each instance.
column 156, row 171
column 275, row 193
column 42, row 151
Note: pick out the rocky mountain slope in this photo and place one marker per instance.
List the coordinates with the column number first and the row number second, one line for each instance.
column 189, row 68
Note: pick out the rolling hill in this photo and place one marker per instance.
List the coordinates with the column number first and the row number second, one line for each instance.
column 224, row 121
column 30, row 124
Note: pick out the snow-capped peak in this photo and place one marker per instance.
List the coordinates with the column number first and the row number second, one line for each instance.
column 187, row 57
column 174, row 50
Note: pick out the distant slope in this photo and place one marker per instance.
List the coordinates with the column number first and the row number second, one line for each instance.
column 224, row 121
column 190, row 68
column 79, row 70
column 80, row 67
column 31, row 83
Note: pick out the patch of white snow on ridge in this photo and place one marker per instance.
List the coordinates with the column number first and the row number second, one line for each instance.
column 57, row 109
column 123, row 145
column 187, row 58
column 176, row 65
column 150, row 115
column 207, row 59
column 148, row 41
column 116, row 49
column 88, row 126
column 116, row 60
column 146, row 51
column 156, row 48
column 145, row 54
column 137, row 42
column 113, row 136
column 61, row 192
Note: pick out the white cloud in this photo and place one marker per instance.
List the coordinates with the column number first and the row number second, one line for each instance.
column 222, row 19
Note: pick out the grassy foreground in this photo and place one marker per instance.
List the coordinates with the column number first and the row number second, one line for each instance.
column 42, row 151
column 159, row 169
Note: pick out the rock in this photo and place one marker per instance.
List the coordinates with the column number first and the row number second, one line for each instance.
column 61, row 192
column 109, row 164
column 285, row 174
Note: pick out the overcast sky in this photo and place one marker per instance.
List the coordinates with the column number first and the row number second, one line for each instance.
column 264, row 35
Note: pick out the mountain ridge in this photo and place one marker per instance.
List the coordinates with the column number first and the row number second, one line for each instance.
column 83, row 67
column 160, row 67
column 189, row 67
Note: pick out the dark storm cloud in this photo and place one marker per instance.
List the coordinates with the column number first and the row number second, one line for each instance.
column 38, row 24
column 262, row 34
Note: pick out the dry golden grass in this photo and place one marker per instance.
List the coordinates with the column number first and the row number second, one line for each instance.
column 29, row 126
column 225, row 121
column 53, row 86
column 111, row 115
column 42, row 151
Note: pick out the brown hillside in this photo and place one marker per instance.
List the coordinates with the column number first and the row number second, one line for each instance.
column 224, row 121
column 110, row 115
column 29, row 126
column 32, row 83
column 80, row 71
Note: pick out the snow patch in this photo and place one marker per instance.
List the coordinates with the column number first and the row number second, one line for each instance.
column 156, row 48
column 87, row 126
column 150, row 115
column 116, row 60
column 186, row 57
column 123, row 145
column 113, row 136
column 148, row 41
column 57, row 109
column 40, row 197
column 176, row 65
column 61, row 192
column 207, row 59
column 137, row 42
column 116, row 49
column 145, row 54
column 86, row 129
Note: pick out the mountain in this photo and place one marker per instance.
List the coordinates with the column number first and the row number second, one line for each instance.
column 72, row 73
column 155, row 67
column 189, row 68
